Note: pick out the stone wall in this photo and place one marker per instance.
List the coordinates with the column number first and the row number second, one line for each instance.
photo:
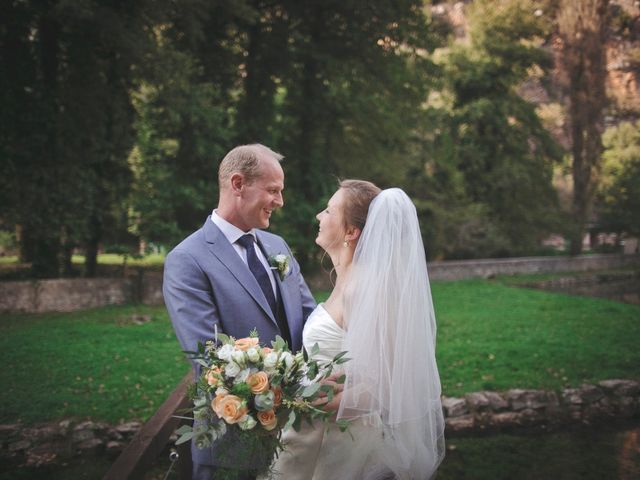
column 66, row 295
column 53, row 443
column 529, row 409
column 623, row 286
column 63, row 295
column 461, row 269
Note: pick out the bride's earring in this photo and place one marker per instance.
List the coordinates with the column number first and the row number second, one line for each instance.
column 345, row 243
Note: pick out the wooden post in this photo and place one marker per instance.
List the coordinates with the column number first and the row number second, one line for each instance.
column 143, row 451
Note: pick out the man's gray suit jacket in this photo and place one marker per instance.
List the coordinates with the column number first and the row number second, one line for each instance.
column 207, row 284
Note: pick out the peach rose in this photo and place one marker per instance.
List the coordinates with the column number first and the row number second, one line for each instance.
column 277, row 396
column 245, row 344
column 266, row 350
column 215, row 403
column 268, row 419
column 258, row 382
column 228, row 407
column 213, row 376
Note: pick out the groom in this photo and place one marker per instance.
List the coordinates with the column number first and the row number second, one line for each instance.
column 220, row 276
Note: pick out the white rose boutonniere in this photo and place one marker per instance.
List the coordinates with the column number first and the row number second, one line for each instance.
column 280, row 263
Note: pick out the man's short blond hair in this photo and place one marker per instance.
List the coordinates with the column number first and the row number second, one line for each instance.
column 244, row 159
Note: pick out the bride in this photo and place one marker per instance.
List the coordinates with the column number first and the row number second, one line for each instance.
column 381, row 312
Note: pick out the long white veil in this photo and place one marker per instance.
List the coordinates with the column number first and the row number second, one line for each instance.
column 392, row 377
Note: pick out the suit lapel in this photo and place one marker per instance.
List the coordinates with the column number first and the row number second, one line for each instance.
column 220, row 247
column 269, row 249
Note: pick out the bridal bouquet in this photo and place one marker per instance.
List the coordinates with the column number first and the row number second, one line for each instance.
column 252, row 393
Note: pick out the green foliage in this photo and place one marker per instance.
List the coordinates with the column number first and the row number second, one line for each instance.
column 68, row 122
column 346, row 106
column 181, row 132
column 488, row 181
column 115, row 117
column 7, row 241
column 619, row 196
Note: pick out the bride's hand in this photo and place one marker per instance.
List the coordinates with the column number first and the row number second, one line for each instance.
column 333, row 405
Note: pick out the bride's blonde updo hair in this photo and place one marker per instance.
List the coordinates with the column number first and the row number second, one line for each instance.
column 358, row 195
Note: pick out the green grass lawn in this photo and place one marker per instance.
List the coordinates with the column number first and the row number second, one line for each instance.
column 94, row 363
column 99, row 364
column 496, row 337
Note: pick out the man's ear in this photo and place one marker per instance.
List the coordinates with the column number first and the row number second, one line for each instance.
column 352, row 234
column 237, row 183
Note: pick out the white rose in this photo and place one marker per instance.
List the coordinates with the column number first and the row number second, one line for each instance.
column 221, row 391
column 253, row 355
column 242, row 376
column 288, row 360
column 231, row 370
column 225, row 351
column 247, row 422
column 270, row 361
column 282, row 260
column 238, row 357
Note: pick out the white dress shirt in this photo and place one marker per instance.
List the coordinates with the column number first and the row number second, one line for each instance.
column 233, row 234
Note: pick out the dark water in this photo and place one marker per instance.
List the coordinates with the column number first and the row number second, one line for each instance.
column 594, row 453
column 581, row 453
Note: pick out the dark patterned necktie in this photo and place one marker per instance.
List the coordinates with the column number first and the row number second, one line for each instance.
column 258, row 270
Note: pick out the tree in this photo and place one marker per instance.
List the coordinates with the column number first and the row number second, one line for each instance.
column 332, row 87
column 348, row 97
column 618, row 199
column 582, row 26
column 187, row 91
column 68, row 143
column 497, row 141
column 29, row 49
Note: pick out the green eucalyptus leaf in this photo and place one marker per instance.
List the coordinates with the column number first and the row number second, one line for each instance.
column 291, row 420
column 310, row 390
column 279, row 343
column 185, row 438
column 339, row 356
column 184, row 429
column 312, row 371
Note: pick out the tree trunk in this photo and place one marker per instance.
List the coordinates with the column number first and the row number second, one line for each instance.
column 42, row 225
column 91, row 247
column 257, row 111
column 583, row 29
column 66, row 253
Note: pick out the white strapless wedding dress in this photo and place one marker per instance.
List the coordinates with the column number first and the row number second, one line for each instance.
column 323, row 452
